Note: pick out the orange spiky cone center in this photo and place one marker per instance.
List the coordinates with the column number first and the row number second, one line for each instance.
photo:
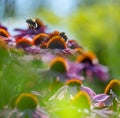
column 4, row 33
column 56, row 42
column 55, row 33
column 40, row 38
column 87, row 57
column 23, row 42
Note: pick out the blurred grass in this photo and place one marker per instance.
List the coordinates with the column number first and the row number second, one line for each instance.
column 96, row 28
column 18, row 75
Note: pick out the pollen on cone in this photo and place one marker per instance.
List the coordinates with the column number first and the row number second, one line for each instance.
column 56, row 42
column 54, row 33
column 87, row 57
column 40, row 38
column 23, row 42
column 4, row 33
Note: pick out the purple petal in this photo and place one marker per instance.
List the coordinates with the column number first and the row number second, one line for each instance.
column 67, row 51
column 103, row 113
column 73, row 75
column 3, row 27
column 88, row 90
column 100, row 98
column 101, row 72
column 74, row 67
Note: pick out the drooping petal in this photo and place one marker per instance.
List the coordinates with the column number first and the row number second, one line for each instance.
column 100, row 98
column 88, row 90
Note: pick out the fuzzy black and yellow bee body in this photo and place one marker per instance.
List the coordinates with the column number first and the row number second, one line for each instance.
column 63, row 35
column 32, row 24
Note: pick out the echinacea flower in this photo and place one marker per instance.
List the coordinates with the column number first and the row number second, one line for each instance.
column 60, row 68
column 56, row 42
column 87, row 57
column 26, row 106
column 111, row 95
column 101, row 101
column 113, row 86
column 57, row 69
column 3, row 31
column 26, row 101
column 73, row 97
column 68, row 91
column 23, row 43
column 59, row 65
column 90, row 66
column 40, row 39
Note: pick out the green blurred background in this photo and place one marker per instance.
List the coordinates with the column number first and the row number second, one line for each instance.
column 95, row 24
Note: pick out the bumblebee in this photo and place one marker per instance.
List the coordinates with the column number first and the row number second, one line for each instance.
column 63, row 35
column 32, row 24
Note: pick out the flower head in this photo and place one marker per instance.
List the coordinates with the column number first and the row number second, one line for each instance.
column 23, row 43
column 113, row 85
column 59, row 65
column 90, row 66
column 74, row 82
column 26, row 101
column 40, row 38
column 4, row 33
column 26, row 107
column 70, row 89
column 87, row 57
column 56, row 42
